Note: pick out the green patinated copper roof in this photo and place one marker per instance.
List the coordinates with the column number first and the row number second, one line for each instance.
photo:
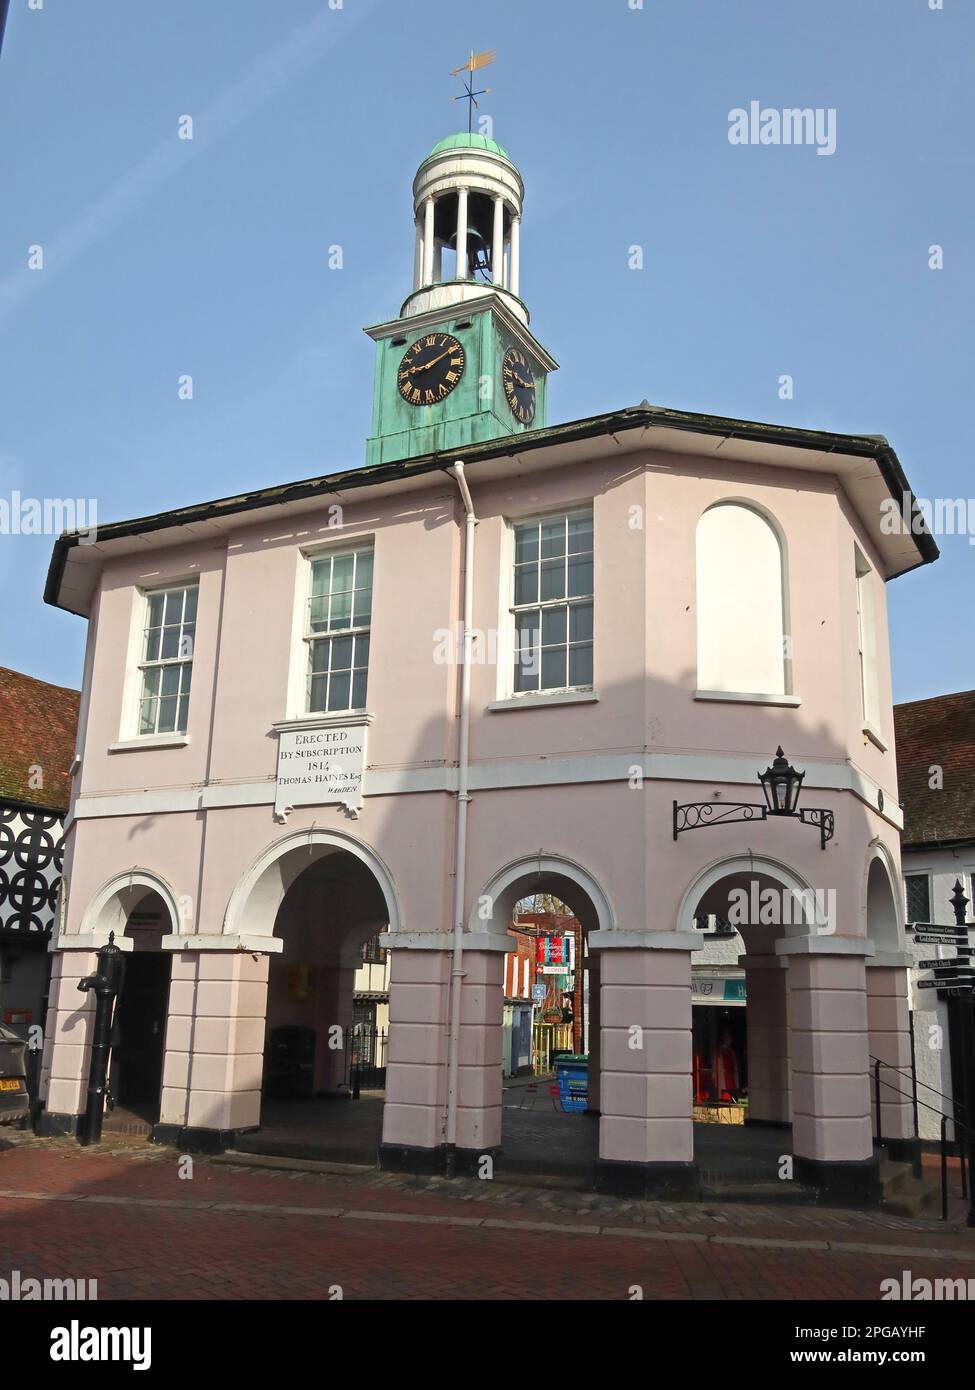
column 464, row 141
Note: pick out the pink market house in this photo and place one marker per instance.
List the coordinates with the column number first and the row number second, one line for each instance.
column 289, row 745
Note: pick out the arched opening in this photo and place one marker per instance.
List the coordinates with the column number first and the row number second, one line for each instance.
column 140, row 909
column 548, row 1008
column 884, row 920
column 741, row 1058
column 327, row 901
column 889, row 1021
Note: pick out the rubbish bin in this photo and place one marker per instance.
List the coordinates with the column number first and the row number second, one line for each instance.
column 572, row 1075
column 289, row 1072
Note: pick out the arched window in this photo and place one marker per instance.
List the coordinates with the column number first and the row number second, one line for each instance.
column 741, row 603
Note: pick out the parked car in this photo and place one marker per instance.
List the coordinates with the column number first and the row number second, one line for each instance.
column 14, row 1100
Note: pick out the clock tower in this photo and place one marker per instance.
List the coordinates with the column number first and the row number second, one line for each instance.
column 460, row 365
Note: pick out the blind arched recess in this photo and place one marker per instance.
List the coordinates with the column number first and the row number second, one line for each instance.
column 741, row 603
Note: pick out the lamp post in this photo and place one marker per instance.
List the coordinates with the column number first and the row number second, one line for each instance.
column 105, row 983
column 781, row 784
column 964, row 1002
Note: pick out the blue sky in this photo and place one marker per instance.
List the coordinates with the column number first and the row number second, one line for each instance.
column 164, row 257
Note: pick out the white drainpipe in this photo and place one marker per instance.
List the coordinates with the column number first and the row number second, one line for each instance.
column 460, row 845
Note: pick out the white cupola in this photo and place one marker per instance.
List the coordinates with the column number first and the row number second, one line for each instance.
column 467, row 201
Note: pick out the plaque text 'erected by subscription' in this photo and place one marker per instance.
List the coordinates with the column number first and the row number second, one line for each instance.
column 318, row 766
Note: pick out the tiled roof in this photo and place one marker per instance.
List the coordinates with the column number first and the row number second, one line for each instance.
column 937, row 733
column 38, row 723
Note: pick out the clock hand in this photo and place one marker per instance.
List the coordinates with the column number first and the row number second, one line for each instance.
column 425, row 366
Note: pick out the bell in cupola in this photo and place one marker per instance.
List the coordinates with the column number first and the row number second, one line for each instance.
column 478, row 254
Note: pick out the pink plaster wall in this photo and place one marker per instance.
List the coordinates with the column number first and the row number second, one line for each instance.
column 645, row 677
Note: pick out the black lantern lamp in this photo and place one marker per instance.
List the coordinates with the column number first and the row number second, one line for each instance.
column 781, row 785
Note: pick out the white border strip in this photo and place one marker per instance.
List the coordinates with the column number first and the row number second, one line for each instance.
column 548, row 772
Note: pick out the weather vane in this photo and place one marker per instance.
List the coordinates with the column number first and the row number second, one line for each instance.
column 475, row 61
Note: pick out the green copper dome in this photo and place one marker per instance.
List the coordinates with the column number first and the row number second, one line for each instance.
column 464, row 141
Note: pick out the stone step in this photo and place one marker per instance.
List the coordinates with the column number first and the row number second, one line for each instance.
column 906, row 1194
column 238, row 1158
column 760, row 1193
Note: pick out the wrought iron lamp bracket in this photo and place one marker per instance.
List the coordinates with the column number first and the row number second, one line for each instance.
column 699, row 815
column 822, row 819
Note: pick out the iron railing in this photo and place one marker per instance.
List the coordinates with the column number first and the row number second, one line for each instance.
column 365, row 1059
column 964, row 1136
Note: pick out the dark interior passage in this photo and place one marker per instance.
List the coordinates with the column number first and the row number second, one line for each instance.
column 139, row 1028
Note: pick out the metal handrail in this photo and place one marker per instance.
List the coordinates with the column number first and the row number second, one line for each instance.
column 966, row 1151
column 912, row 1073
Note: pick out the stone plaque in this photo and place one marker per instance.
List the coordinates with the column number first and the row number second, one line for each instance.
column 319, row 767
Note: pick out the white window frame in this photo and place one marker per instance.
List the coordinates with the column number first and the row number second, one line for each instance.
column 160, row 663
column 299, row 683
column 508, row 696
column 129, row 736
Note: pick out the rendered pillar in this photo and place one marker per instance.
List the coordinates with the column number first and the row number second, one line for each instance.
column 214, row 1049
column 514, row 255
column 480, row 1079
column 767, row 1024
column 428, row 241
column 497, row 243
column 889, row 1024
column 416, row 1059
column 832, row 1134
column 67, row 1042
column 461, row 268
column 414, row 1137
column 646, row 1135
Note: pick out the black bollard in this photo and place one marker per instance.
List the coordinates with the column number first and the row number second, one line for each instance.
column 105, row 982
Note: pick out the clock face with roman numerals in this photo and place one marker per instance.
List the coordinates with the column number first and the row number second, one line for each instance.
column 519, row 385
column 430, row 369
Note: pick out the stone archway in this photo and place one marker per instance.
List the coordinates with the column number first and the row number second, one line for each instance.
column 257, row 897
column 113, row 904
column 741, row 867
column 542, row 872
column 884, row 916
column 228, row 987
column 807, row 1018
column 567, row 1138
column 888, row 1007
column 141, row 910
column 744, row 891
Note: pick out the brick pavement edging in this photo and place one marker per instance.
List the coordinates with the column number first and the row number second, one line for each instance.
column 491, row 1223
column 141, row 1172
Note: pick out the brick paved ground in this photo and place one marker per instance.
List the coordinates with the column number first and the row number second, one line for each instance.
column 130, row 1221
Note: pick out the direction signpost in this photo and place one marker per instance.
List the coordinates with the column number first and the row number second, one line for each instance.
column 956, row 973
column 954, row 979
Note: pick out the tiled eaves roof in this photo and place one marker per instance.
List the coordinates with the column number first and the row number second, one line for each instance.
column 38, row 726
column 878, row 456
column 930, row 734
